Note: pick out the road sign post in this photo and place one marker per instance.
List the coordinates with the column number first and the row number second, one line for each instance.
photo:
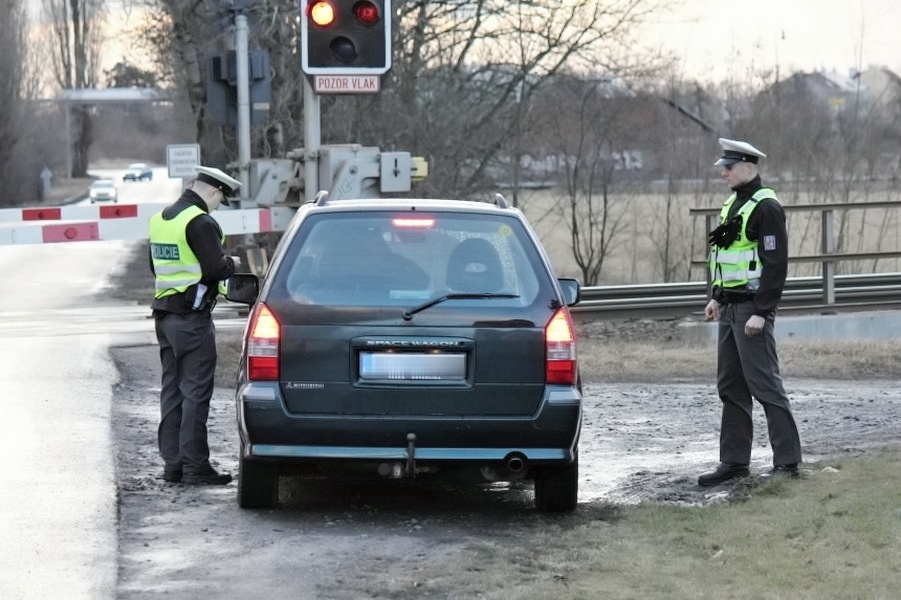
column 181, row 160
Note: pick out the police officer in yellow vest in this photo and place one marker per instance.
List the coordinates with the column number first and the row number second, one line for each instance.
column 190, row 265
column 748, row 266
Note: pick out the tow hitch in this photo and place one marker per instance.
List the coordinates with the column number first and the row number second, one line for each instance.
column 411, row 455
column 400, row 470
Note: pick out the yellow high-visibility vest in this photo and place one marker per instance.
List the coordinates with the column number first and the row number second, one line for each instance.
column 175, row 264
column 738, row 266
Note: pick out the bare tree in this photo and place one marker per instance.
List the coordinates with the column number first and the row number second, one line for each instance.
column 184, row 36
column 74, row 55
column 123, row 74
column 587, row 136
column 684, row 132
column 826, row 137
column 463, row 73
column 12, row 96
column 467, row 72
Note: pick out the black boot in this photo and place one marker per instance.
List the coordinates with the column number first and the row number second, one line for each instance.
column 173, row 476
column 783, row 471
column 208, row 476
column 724, row 472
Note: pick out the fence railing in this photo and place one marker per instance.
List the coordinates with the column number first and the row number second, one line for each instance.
column 800, row 295
column 827, row 256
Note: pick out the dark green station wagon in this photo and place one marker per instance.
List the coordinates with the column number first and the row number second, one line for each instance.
column 409, row 338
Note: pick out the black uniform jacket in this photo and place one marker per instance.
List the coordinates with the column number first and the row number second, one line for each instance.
column 766, row 226
column 204, row 237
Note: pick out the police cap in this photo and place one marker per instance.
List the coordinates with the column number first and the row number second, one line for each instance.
column 735, row 151
column 219, row 180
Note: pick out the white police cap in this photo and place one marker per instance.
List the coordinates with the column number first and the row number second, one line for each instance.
column 735, row 151
column 219, row 180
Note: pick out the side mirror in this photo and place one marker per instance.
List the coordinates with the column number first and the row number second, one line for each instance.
column 243, row 288
column 572, row 290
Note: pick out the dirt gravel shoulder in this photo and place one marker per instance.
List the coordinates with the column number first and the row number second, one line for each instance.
column 651, row 425
column 641, row 442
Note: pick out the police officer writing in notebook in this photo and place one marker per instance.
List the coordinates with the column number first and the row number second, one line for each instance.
column 748, row 265
column 190, row 265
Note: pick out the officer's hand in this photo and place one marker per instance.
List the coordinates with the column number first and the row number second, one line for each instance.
column 237, row 261
column 712, row 310
column 754, row 325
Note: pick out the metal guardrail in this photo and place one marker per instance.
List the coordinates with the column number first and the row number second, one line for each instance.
column 828, row 255
column 677, row 300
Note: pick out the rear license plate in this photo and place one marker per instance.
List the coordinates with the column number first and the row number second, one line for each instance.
column 412, row 366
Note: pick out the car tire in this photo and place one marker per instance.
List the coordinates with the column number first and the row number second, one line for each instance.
column 257, row 483
column 557, row 488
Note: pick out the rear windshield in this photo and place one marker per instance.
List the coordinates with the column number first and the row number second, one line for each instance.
column 402, row 259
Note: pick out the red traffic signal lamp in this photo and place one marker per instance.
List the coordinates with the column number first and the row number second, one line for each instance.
column 347, row 37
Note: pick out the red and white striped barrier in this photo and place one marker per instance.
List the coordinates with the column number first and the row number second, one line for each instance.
column 54, row 224
column 80, row 212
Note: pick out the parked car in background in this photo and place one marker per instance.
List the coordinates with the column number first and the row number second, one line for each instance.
column 138, row 172
column 407, row 339
column 103, row 190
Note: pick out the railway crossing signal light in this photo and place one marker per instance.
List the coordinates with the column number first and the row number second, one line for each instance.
column 345, row 37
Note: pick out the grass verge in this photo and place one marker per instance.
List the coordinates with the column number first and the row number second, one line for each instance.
column 833, row 533
column 626, row 360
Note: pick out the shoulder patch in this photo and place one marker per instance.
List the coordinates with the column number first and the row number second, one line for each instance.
column 769, row 242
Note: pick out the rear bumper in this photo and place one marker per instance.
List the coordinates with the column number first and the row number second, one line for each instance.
column 269, row 432
column 457, row 455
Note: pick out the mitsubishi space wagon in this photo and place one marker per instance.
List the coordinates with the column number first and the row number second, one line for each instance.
column 404, row 339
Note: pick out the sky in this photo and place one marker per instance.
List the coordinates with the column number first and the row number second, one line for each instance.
column 716, row 38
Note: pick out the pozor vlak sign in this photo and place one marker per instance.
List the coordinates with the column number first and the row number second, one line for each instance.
column 346, row 84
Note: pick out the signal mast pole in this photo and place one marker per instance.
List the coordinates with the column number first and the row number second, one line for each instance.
column 312, row 138
column 243, row 84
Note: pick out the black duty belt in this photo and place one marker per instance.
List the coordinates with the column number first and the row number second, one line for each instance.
column 732, row 297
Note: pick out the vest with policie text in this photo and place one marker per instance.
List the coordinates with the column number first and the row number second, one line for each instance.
column 175, row 264
column 738, row 265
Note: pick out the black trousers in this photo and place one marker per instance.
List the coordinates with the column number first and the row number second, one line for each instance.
column 747, row 369
column 188, row 359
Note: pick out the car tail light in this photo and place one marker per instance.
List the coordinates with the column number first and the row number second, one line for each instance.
column 560, row 344
column 263, row 332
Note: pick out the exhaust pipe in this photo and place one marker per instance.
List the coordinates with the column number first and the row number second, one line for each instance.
column 512, row 468
column 515, row 463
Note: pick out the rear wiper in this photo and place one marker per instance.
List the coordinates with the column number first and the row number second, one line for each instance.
column 408, row 314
